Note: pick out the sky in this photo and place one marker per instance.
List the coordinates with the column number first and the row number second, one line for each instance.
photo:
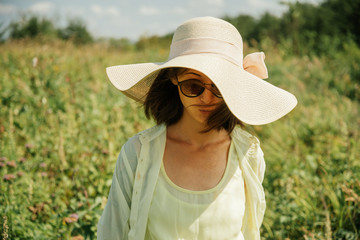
column 134, row 18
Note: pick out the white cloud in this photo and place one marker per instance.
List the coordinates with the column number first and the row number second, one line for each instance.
column 113, row 11
column 104, row 11
column 7, row 9
column 96, row 9
column 149, row 11
column 206, row 3
column 217, row 3
column 206, row 7
column 164, row 11
column 70, row 11
column 42, row 7
column 179, row 10
column 263, row 4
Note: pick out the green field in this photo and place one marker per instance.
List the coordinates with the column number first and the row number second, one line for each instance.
column 62, row 125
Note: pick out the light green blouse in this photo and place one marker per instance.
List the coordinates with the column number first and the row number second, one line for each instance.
column 136, row 174
column 217, row 213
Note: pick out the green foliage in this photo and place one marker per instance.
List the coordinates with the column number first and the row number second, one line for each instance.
column 31, row 27
column 306, row 29
column 61, row 128
column 2, row 32
column 36, row 27
column 62, row 125
column 346, row 79
column 245, row 24
column 313, row 169
column 343, row 17
column 154, row 42
column 76, row 31
column 120, row 44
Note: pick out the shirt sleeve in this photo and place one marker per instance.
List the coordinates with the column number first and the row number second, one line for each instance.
column 261, row 164
column 255, row 197
column 114, row 221
column 256, row 158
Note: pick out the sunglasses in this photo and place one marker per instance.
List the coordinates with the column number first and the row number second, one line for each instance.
column 194, row 88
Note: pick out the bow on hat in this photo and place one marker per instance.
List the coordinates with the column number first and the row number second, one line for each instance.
column 254, row 63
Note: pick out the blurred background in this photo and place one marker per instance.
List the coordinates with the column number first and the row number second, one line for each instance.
column 62, row 123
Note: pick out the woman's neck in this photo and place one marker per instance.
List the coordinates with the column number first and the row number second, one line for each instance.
column 189, row 132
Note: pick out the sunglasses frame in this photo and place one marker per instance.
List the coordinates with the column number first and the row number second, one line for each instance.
column 200, row 83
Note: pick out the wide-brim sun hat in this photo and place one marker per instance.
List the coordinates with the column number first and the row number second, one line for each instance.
column 213, row 47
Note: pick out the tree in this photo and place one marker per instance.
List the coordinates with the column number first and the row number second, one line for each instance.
column 245, row 24
column 31, row 27
column 76, row 31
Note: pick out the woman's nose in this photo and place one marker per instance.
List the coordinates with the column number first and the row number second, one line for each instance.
column 207, row 96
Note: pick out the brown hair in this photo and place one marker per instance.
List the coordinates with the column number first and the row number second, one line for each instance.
column 164, row 105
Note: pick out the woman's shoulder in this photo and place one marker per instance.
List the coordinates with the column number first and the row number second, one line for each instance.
column 244, row 136
column 150, row 133
column 249, row 145
column 135, row 142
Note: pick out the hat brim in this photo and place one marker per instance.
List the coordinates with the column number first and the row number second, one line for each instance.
column 251, row 99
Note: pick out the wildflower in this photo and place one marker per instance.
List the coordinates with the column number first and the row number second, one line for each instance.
column 3, row 159
column 35, row 61
column 80, row 204
column 73, row 218
column 43, row 165
column 105, row 152
column 37, row 208
column 9, row 177
column 43, row 174
column 29, row 145
column 11, row 164
column 22, row 160
column 2, row 164
column 20, row 174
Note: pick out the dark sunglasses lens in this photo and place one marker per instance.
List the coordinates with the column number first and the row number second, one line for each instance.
column 192, row 88
column 216, row 91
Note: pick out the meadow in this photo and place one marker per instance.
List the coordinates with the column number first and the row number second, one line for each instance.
column 62, row 125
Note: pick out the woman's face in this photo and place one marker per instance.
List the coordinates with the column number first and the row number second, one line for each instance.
column 197, row 108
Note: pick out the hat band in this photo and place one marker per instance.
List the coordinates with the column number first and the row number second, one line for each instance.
column 207, row 45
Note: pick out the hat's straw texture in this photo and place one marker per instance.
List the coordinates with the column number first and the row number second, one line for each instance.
column 214, row 47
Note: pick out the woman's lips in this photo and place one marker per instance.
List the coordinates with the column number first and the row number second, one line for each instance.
column 206, row 110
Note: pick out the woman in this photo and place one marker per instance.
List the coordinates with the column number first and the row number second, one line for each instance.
column 196, row 174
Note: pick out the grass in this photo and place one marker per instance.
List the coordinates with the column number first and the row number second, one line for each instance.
column 62, row 125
